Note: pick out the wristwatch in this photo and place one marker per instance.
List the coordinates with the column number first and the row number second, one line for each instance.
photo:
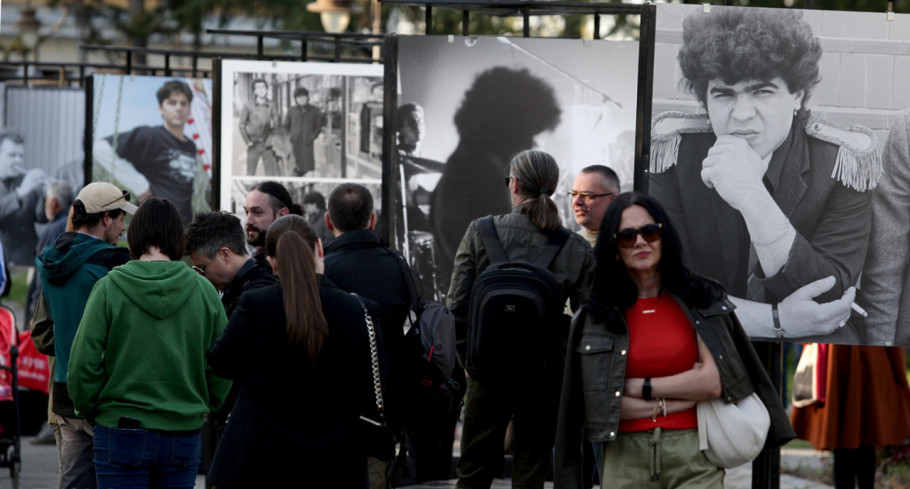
column 646, row 389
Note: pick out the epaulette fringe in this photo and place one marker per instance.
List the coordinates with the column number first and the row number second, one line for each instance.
column 859, row 171
column 859, row 162
column 666, row 133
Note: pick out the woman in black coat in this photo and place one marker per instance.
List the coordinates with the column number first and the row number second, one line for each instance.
column 300, row 352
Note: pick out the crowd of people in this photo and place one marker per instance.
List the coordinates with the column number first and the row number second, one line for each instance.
column 275, row 348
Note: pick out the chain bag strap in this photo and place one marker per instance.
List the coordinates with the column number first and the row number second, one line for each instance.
column 375, row 435
column 374, row 356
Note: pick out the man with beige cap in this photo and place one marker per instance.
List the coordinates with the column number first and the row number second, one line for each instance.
column 69, row 268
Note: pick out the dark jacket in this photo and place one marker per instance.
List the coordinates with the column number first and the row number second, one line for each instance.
column 18, row 216
column 595, row 373
column 252, row 275
column 359, row 262
column 293, row 418
column 831, row 218
column 69, row 269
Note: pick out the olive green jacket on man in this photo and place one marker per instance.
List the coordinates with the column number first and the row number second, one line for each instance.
column 573, row 266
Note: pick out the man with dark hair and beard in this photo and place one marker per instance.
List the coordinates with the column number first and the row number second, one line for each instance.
column 265, row 202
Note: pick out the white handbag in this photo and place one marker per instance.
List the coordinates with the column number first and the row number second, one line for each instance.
column 732, row 434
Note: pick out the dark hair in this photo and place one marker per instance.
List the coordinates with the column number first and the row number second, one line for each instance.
column 537, row 174
column 738, row 44
column 350, row 207
column 258, row 80
column 610, row 178
column 411, row 116
column 279, row 197
column 14, row 137
column 156, row 223
column 210, row 231
column 301, row 91
column 292, row 241
column 314, row 198
column 503, row 102
column 174, row 86
column 82, row 219
column 614, row 288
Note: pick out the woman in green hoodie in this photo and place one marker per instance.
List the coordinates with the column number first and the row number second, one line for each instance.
column 138, row 365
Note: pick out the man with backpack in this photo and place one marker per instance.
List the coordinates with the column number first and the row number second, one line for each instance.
column 358, row 261
column 512, row 276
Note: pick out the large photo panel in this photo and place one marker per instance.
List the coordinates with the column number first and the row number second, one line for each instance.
column 41, row 170
column 40, row 147
column 308, row 126
column 153, row 136
column 779, row 148
column 467, row 104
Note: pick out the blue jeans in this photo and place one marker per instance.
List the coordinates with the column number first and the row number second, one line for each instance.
column 130, row 458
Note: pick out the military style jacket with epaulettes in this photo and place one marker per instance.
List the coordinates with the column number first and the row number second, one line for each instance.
column 821, row 178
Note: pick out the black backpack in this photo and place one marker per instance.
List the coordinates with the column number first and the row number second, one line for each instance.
column 428, row 356
column 515, row 310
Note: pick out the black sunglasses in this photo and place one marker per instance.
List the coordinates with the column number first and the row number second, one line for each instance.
column 625, row 238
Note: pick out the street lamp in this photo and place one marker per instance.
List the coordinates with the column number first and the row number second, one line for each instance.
column 335, row 15
column 28, row 26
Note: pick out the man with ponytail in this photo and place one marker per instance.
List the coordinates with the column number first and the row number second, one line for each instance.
column 529, row 400
column 265, row 202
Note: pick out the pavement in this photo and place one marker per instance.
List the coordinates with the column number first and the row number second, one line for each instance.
column 39, row 471
column 737, row 478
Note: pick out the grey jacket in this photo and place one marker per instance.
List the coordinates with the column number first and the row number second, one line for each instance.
column 595, row 374
column 572, row 267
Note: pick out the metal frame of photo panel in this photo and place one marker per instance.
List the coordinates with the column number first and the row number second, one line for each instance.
column 393, row 194
column 354, row 74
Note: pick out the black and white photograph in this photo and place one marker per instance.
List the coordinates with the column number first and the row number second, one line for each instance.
column 309, row 126
column 41, row 170
column 467, row 104
column 767, row 142
column 153, row 136
column 41, row 144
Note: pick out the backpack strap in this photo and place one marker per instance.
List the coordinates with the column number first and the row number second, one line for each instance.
column 555, row 242
column 491, row 241
column 408, row 273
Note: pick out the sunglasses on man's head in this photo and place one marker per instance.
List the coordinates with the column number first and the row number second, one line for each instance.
column 625, row 238
column 124, row 194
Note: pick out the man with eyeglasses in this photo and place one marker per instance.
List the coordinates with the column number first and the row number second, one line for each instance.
column 69, row 269
column 216, row 245
column 594, row 188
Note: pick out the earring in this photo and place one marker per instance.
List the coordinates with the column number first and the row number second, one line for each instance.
column 796, row 112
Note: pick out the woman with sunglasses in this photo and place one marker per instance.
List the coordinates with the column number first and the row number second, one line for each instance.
column 652, row 341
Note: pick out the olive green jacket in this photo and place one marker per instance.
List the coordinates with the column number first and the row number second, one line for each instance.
column 573, row 266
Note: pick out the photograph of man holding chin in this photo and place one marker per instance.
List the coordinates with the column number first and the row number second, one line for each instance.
column 770, row 201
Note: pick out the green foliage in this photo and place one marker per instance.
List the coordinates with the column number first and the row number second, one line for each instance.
column 139, row 23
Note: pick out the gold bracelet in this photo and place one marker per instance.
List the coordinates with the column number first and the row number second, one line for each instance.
column 656, row 411
column 663, row 405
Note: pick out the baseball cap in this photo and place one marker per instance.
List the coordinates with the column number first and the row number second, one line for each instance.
column 103, row 196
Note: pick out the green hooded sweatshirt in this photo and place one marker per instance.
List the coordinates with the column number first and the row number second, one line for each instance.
column 140, row 349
